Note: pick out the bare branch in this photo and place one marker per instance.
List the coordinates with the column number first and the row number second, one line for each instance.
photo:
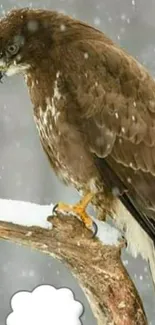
column 98, row 268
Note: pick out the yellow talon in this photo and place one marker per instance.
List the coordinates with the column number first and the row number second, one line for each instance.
column 79, row 210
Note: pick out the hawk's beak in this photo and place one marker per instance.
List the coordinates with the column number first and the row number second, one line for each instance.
column 3, row 68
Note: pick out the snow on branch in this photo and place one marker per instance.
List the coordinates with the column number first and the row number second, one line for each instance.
column 97, row 266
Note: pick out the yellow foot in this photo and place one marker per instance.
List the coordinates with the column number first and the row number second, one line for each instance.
column 78, row 210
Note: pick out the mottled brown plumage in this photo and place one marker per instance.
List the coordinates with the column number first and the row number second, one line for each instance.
column 94, row 107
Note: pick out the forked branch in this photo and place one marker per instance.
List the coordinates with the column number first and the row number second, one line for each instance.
column 98, row 268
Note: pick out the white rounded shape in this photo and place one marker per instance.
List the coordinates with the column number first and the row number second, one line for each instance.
column 45, row 305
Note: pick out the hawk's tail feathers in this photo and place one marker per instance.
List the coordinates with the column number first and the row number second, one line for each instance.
column 138, row 240
column 130, row 217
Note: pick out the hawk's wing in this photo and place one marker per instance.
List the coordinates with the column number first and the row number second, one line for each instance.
column 116, row 98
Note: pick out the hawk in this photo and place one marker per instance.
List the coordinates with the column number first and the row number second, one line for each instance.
column 94, row 108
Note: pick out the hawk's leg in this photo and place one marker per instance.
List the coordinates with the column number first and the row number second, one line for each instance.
column 79, row 210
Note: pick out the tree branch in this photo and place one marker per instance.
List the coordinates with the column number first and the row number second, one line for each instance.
column 98, row 268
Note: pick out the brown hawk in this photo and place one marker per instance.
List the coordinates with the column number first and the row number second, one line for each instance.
column 94, row 108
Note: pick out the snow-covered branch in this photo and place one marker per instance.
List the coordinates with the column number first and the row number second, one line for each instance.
column 97, row 266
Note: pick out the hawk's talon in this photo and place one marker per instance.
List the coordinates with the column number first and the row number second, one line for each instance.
column 77, row 210
column 54, row 211
column 95, row 229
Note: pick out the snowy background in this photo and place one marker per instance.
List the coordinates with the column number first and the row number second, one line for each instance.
column 24, row 171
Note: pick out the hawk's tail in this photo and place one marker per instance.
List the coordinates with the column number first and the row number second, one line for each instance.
column 138, row 229
column 138, row 241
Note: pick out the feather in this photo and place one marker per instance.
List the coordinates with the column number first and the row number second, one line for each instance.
column 112, row 181
column 138, row 228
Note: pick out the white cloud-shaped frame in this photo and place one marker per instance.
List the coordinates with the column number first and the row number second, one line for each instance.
column 45, row 305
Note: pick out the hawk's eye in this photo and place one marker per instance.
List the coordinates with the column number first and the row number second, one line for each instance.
column 12, row 49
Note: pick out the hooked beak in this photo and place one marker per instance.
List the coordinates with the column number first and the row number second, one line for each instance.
column 3, row 69
column 2, row 74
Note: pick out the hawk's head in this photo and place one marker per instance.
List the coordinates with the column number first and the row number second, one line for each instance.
column 26, row 37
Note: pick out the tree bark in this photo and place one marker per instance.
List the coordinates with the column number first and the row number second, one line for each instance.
column 98, row 268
